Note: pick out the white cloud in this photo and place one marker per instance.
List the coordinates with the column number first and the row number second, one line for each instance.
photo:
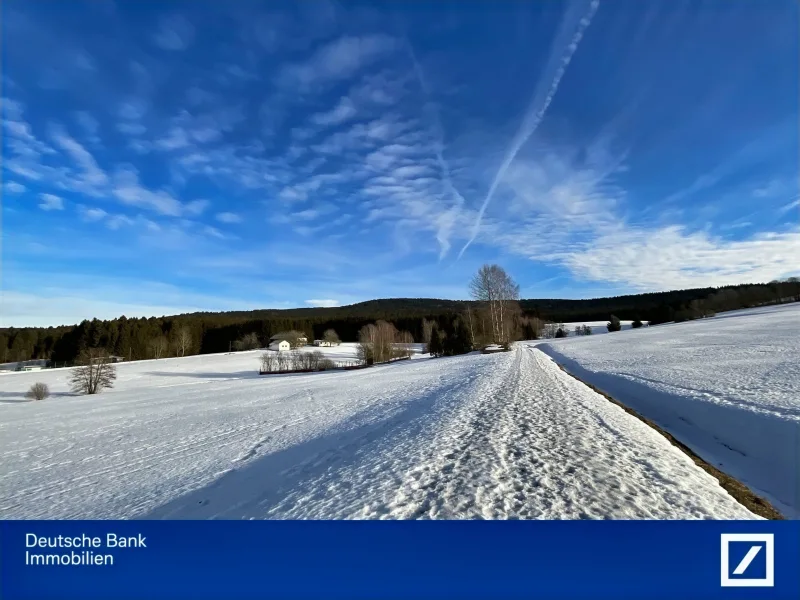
column 175, row 139
column 411, row 171
column 379, row 89
column 93, row 175
column 92, row 214
column 290, row 194
column 671, row 258
column 789, row 206
column 51, row 202
column 213, row 232
column 205, row 134
column 228, row 217
column 307, row 231
column 132, row 110
column 323, row 303
column 131, row 128
column 151, row 226
column 126, row 189
column 343, row 111
column 338, row 60
column 196, row 207
column 306, row 215
column 13, row 187
column 20, row 138
column 116, row 221
column 174, row 33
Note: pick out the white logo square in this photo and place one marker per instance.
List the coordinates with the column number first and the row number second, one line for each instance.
column 768, row 541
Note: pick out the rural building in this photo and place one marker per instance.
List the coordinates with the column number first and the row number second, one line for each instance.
column 285, row 335
column 323, row 343
column 280, row 346
column 26, row 365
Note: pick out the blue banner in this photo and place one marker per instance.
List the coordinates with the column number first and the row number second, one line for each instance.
column 409, row 559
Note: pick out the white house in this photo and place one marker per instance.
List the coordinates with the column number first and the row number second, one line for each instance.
column 323, row 343
column 280, row 346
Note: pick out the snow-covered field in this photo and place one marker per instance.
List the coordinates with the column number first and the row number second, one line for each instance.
column 728, row 387
column 477, row 436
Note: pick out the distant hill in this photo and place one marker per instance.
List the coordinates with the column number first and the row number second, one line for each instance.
column 553, row 309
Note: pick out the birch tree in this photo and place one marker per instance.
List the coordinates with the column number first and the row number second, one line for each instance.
column 471, row 326
column 183, row 340
column 427, row 327
column 495, row 288
column 158, row 346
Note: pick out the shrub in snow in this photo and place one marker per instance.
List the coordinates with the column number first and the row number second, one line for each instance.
column 38, row 391
column 614, row 324
column 636, row 324
column 561, row 333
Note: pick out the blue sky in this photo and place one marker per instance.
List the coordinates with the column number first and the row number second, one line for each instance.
column 162, row 157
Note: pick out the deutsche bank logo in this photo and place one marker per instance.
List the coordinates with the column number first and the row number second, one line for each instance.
column 748, row 560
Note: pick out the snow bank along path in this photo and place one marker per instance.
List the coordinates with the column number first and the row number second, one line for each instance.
column 478, row 436
column 728, row 387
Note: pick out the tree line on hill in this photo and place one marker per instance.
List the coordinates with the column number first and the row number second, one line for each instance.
column 449, row 326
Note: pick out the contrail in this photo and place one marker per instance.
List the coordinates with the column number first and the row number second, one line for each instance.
column 446, row 220
column 539, row 105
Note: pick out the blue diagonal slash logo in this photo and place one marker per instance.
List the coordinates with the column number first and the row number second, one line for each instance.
column 747, row 560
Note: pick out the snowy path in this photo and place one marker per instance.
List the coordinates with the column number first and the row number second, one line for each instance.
column 499, row 436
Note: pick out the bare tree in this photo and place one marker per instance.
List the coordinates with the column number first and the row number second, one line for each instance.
column 247, row 342
column 494, row 287
column 268, row 360
column 281, row 361
column 404, row 342
column 471, row 326
column 376, row 343
column 331, row 336
column 383, row 347
column 427, row 327
column 95, row 373
column 366, row 342
column 38, row 391
column 511, row 320
column 158, row 346
column 183, row 340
